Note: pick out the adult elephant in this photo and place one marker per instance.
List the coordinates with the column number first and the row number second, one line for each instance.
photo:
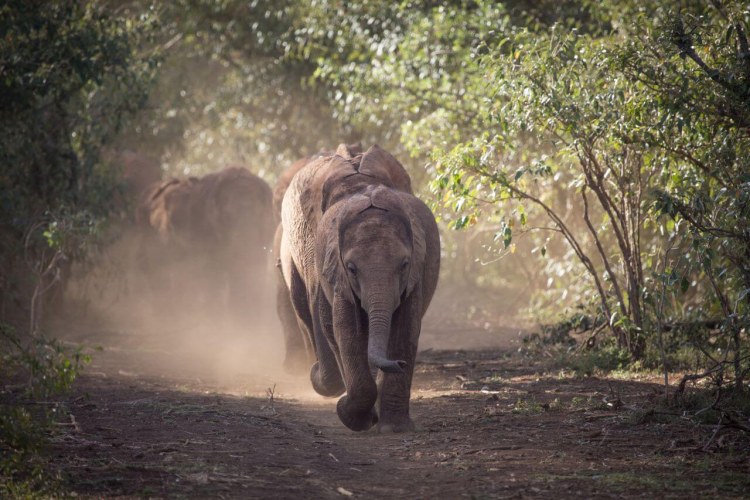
column 360, row 256
column 300, row 353
column 208, row 236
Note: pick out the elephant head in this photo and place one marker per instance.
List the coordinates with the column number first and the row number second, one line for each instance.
column 373, row 256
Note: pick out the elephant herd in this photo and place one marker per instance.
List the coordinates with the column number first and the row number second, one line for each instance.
column 357, row 258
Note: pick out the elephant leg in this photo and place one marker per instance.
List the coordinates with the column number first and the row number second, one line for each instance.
column 326, row 372
column 299, row 350
column 357, row 408
column 395, row 388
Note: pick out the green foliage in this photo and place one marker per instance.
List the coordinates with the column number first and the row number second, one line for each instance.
column 34, row 374
column 233, row 88
column 47, row 366
column 21, row 470
column 602, row 359
column 72, row 75
column 595, row 130
column 527, row 407
column 702, row 84
column 585, row 152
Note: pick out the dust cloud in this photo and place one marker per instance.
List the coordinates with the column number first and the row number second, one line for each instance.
column 183, row 328
column 187, row 332
column 176, row 311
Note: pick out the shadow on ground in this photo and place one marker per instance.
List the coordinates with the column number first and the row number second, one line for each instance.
column 491, row 424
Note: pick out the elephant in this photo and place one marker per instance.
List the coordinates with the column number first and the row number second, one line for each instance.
column 210, row 236
column 360, row 257
column 299, row 351
column 283, row 183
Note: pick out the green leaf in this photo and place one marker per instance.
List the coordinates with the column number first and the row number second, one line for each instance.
column 507, row 236
column 684, row 285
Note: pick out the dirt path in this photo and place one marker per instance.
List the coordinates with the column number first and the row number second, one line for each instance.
column 491, row 425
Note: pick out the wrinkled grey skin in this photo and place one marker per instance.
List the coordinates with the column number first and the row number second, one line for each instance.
column 360, row 256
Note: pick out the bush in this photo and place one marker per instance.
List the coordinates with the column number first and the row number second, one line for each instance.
column 72, row 75
column 35, row 374
column 603, row 358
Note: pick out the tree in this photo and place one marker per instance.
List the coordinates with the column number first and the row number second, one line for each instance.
column 71, row 74
column 695, row 63
column 506, row 107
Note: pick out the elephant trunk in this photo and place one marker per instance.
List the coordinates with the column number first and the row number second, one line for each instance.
column 377, row 344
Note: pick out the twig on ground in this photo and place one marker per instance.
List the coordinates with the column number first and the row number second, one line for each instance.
column 697, row 376
column 75, row 423
column 715, row 433
column 269, row 396
column 712, row 406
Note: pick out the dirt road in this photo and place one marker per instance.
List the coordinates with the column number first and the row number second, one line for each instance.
column 146, row 423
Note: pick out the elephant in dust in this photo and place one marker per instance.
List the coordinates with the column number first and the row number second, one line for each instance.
column 208, row 236
column 360, row 257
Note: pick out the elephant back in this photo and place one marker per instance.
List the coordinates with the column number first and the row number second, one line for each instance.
column 164, row 207
column 327, row 180
column 175, row 212
column 282, row 184
column 377, row 162
column 349, row 175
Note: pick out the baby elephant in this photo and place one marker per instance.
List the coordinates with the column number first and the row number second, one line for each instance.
column 360, row 256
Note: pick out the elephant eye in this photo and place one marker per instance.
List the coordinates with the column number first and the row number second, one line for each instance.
column 352, row 268
column 404, row 265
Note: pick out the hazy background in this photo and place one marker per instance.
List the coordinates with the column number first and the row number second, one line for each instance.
column 571, row 180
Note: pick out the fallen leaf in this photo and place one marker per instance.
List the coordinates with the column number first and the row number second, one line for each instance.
column 198, row 477
column 344, row 491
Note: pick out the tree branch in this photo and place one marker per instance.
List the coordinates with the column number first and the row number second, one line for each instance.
column 602, row 253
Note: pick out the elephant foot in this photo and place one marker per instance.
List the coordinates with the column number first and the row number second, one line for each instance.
column 326, row 384
column 355, row 420
column 396, row 425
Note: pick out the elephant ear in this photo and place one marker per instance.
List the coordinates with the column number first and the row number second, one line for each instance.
column 334, row 189
column 349, row 151
column 403, row 203
column 377, row 161
column 331, row 228
column 418, row 245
